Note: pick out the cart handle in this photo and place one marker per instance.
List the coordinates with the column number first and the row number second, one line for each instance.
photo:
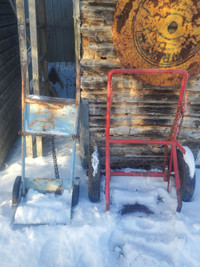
column 148, row 71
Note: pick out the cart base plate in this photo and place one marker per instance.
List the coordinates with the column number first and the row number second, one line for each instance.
column 38, row 209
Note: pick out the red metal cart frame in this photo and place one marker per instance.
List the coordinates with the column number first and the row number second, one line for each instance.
column 172, row 142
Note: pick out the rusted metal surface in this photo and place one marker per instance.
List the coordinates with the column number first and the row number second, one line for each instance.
column 45, row 185
column 158, row 34
column 50, row 118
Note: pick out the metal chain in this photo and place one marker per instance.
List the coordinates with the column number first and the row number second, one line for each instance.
column 55, row 163
column 179, row 116
column 182, row 111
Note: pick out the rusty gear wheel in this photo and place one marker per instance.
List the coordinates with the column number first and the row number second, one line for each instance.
column 164, row 34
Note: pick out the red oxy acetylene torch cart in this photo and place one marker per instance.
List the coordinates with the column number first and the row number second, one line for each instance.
column 171, row 142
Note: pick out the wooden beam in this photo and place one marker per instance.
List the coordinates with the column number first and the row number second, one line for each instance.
column 35, row 65
column 20, row 6
column 34, row 45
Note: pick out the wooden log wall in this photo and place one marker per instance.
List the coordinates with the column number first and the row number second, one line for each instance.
column 9, row 78
column 139, row 111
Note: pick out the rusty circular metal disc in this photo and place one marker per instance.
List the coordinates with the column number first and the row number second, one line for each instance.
column 153, row 34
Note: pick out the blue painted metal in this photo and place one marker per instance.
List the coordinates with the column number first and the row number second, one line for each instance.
column 73, row 163
column 23, row 164
column 45, row 185
column 50, row 118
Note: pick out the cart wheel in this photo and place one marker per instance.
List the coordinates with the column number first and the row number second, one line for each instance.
column 94, row 175
column 186, row 181
column 75, row 194
column 16, row 193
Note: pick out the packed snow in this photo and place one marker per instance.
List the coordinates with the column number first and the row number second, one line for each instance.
column 95, row 161
column 95, row 237
column 189, row 159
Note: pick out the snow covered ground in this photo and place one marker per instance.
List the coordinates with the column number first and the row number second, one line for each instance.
column 95, row 237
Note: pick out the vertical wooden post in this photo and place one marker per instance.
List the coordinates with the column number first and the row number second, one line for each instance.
column 35, row 66
column 21, row 20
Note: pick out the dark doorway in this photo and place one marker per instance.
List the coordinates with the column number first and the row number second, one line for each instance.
column 61, row 47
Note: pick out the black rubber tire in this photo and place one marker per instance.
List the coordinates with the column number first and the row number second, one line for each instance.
column 16, row 193
column 94, row 180
column 75, row 194
column 186, row 181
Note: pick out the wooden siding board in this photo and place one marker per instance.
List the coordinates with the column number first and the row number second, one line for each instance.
column 7, row 19
column 12, row 115
column 8, row 54
column 60, row 30
column 9, row 96
column 4, row 83
column 6, row 32
column 9, row 78
column 148, row 111
column 5, row 11
column 7, row 141
column 10, row 64
column 8, row 43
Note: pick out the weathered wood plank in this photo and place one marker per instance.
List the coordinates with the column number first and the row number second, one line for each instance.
column 117, row 162
column 5, row 10
column 109, row 3
column 34, row 45
column 99, row 66
column 96, row 109
column 8, row 54
column 20, row 5
column 97, row 32
column 35, row 65
column 7, row 141
column 6, row 123
column 95, row 14
column 8, row 31
column 98, row 2
column 14, row 86
column 4, row 83
column 93, row 81
column 7, row 19
column 101, row 97
column 8, row 43
column 13, row 99
column 132, row 121
column 144, row 132
column 10, row 64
